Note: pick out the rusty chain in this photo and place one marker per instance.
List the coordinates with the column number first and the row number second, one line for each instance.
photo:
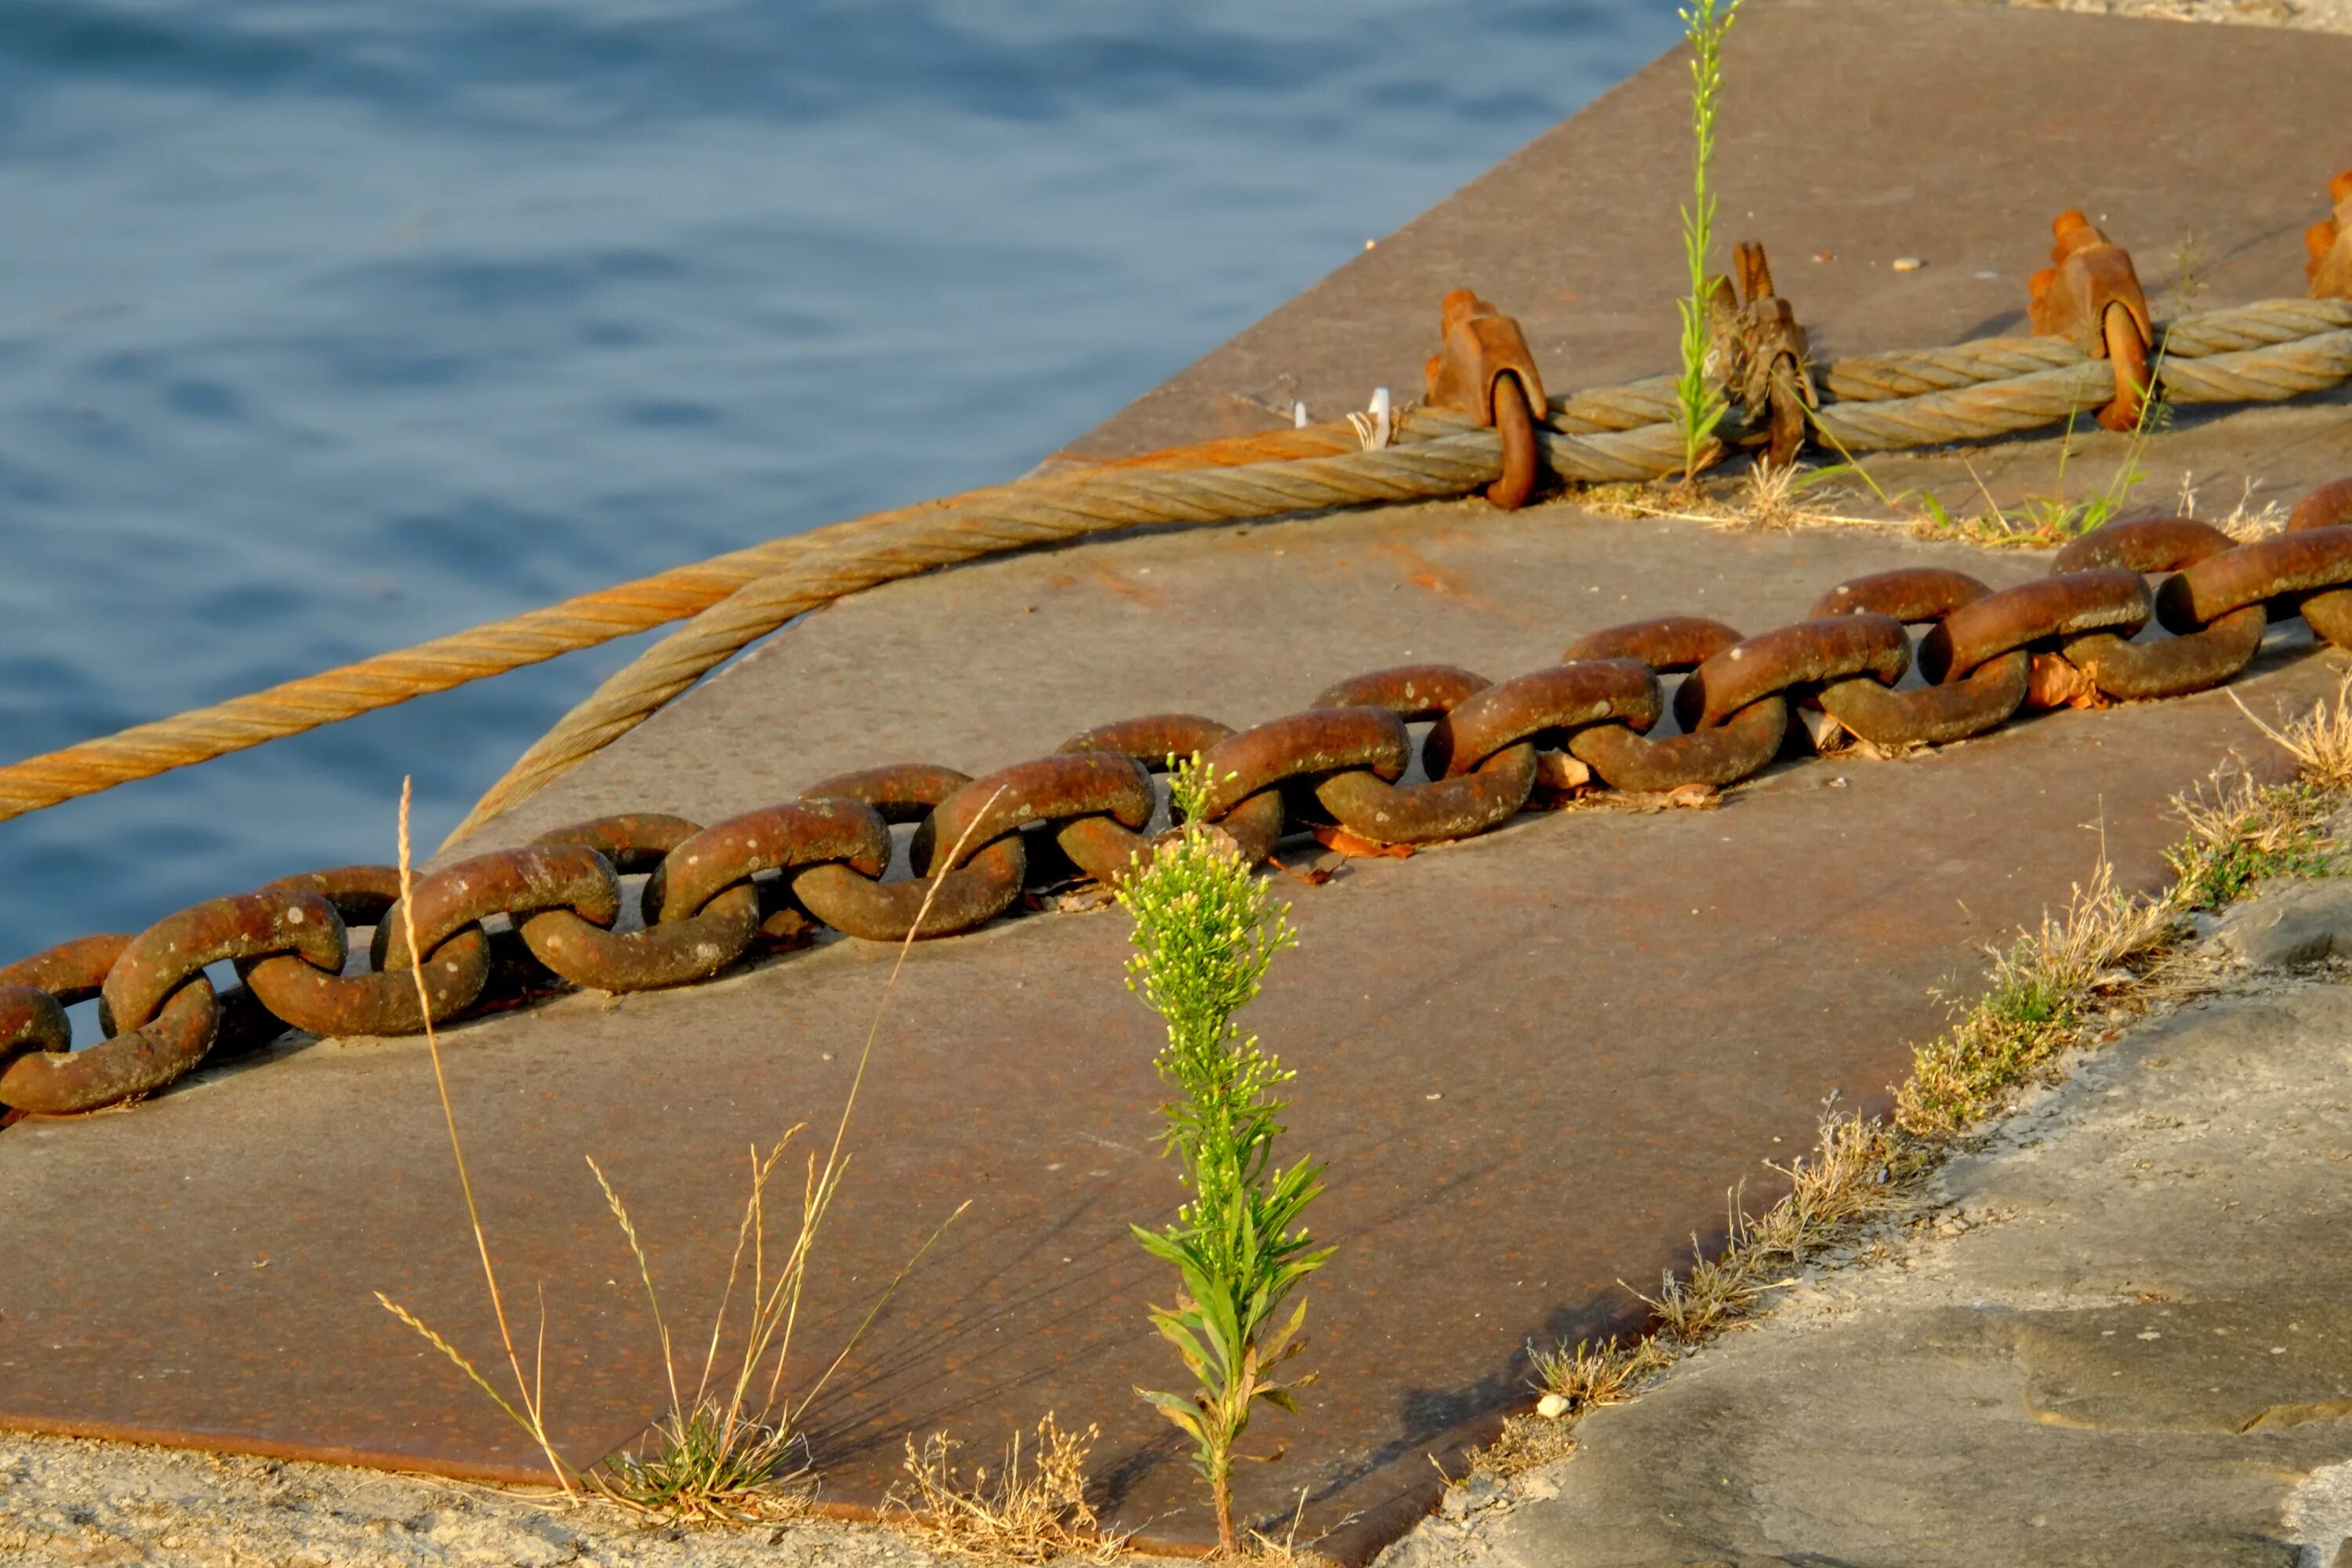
column 777, row 878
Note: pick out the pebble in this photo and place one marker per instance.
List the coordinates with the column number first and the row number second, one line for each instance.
column 1552, row 1406
column 1908, row 264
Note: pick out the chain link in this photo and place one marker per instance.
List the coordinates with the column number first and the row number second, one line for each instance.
column 1490, row 750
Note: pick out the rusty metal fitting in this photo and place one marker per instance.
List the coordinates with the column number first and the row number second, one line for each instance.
column 161, row 959
column 1110, row 853
column 360, row 893
column 1152, row 740
column 2326, row 507
column 1927, row 715
column 1984, row 649
column 1485, row 370
column 655, row 956
column 515, row 882
column 1304, row 745
column 851, row 897
column 126, row 1064
column 329, row 1004
column 1805, row 655
column 2170, row 667
column 2151, row 545
column 898, row 792
column 2033, row 613
column 2281, row 572
column 1769, row 357
column 1914, row 596
column 1546, row 706
column 2330, row 242
column 1932, row 715
column 633, row 844
column 1063, row 787
column 1624, row 760
column 2093, row 296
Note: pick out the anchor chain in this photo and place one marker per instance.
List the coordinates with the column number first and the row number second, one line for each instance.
column 859, row 854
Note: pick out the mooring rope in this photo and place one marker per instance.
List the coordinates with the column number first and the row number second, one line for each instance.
column 2260, row 353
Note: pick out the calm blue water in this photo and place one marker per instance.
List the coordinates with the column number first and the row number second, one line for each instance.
column 325, row 327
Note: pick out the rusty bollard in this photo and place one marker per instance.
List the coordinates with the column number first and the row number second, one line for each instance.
column 2330, row 242
column 2093, row 296
column 1486, row 372
column 1766, row 355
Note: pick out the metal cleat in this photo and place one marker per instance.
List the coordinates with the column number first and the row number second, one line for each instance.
column 1486, row 372
column 1763, row 353
column 2330, row 242
column 2093, row 296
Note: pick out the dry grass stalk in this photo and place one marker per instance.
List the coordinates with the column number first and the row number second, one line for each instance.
column 1848, row 1178
column 1037, row 1515
column 2042, row 988
column 2242, row 831
column 1528, row 1441
column 1769, row 497
column 1285, row 1551
column 2320, row 740
column 530, row 1394
column 734, row 1452
column 2245, row 521
column 1592, row 1375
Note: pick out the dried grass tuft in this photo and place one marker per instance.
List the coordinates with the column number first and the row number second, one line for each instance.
column 2320, row 740
column 2042, row 987
column 1527, row 1442
column 1594, row 1374
column 2245, row 521
column 1036, row 1514
column 1768, row 499
column 1850, row 1177
column 2241, row 832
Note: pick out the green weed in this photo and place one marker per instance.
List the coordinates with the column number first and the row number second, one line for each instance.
column 1206, row 929
column 2245, row 833
column 1699, row 403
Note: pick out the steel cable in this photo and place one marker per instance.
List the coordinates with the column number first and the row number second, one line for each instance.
column 2264, row 352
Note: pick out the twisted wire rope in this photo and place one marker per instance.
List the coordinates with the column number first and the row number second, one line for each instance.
column 2264, row 352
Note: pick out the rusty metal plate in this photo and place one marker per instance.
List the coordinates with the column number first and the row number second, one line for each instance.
column 1534, row 1061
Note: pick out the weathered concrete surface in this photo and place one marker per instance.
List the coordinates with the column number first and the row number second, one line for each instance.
column 68, row 1504
column 1534, row 1061
column 2301, row 925
column 2125, row 1335
column 2324, row 16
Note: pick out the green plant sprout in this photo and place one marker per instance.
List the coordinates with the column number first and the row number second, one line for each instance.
column 1699, row 403
column 1206, row 929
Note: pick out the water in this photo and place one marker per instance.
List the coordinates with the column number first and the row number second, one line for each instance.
column 326, row 327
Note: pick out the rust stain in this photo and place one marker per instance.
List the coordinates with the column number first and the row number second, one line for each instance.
column 1127, row 588
column 1431, row 577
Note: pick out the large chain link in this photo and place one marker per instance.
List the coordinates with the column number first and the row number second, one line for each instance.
column 772, row 879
